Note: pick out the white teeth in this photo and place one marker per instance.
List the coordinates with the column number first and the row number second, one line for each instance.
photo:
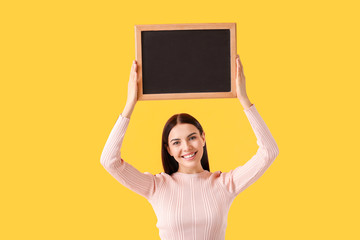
column 189, row 156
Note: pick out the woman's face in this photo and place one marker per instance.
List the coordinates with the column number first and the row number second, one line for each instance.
column 185, row 140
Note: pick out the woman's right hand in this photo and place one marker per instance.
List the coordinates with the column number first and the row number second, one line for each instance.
column 133, row 85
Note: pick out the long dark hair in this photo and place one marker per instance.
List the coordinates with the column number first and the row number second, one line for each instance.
column 169, row 163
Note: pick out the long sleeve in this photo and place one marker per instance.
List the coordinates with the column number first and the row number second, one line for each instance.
column 237, row 180
column 126, row 174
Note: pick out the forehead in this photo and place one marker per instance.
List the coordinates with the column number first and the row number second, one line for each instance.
column 182, row 130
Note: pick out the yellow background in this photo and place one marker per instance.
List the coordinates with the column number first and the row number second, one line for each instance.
column 64, row 72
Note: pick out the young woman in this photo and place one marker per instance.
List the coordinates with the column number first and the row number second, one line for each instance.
column 190, row 202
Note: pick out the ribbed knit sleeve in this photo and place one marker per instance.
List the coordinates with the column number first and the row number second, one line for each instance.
column 126, row 174
column 242, row 177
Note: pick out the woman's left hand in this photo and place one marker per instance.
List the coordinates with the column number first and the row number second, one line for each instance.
column 240, row 80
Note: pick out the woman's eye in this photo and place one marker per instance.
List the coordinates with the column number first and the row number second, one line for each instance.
column 176, row 143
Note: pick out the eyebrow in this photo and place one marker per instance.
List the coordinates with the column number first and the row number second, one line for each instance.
column 179, row 138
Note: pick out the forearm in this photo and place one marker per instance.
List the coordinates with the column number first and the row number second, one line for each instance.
column 110, row 157
column 268, row 148
column 245, row 102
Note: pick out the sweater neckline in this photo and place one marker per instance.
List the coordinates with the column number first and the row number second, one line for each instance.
column 190, row 174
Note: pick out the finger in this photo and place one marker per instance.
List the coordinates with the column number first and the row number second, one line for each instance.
column 237, row 67
column 132, row 72
column 133, row 65
column 240, row 62
column 238, row 59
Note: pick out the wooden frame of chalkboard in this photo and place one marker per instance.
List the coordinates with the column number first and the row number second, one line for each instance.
column 186, row 61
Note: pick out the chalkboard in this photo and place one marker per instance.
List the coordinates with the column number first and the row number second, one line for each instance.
column 182, row 61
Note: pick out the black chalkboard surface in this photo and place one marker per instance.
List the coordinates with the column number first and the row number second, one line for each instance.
column 177, row 61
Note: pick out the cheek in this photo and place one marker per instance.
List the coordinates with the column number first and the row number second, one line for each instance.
column 174, row 151
column 197, row 144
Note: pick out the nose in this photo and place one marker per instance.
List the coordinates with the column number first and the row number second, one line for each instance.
column 187, row 147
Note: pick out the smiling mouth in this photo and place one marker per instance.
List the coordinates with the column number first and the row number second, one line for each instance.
column 190, row 155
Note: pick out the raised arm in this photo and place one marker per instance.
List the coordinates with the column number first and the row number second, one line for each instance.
column 237, row 180
column 126, row 174
column 242, row 177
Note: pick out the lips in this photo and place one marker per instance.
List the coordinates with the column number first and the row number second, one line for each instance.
column 189, row 154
